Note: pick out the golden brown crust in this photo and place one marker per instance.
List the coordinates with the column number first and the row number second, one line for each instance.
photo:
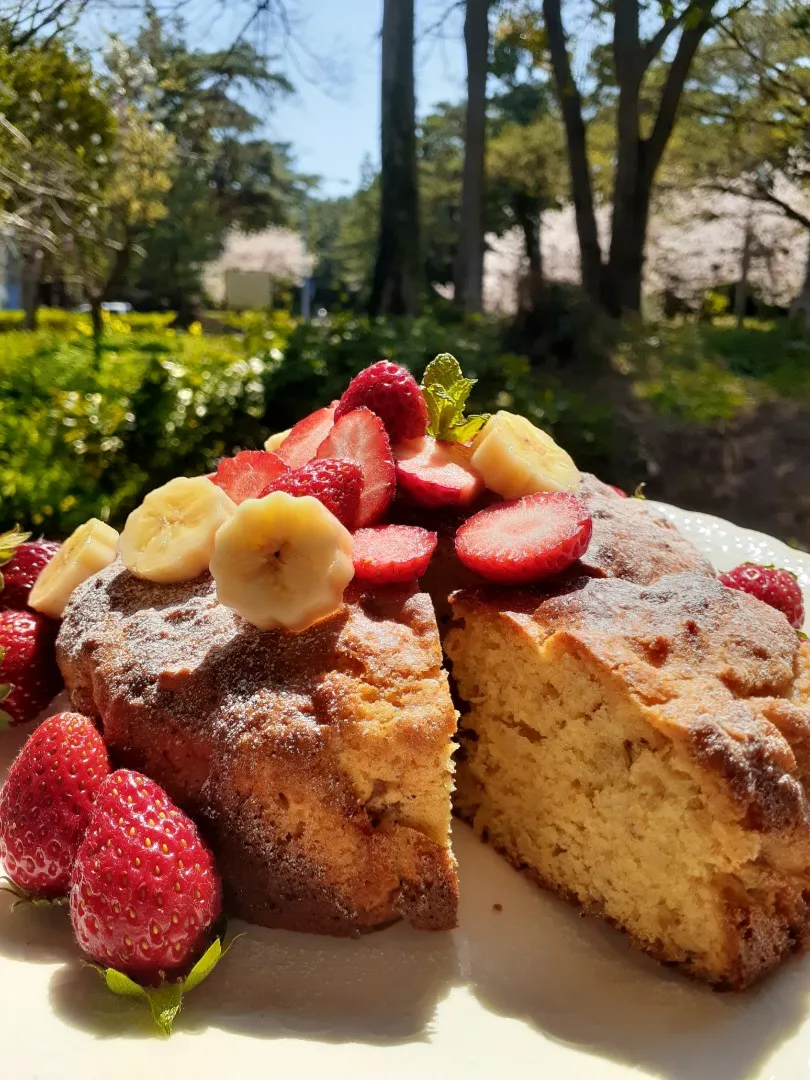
column 725, row 678
column 630, row 541
column 317, row 764
column 715, row 666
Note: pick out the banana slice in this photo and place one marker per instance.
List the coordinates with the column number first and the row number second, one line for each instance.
column 282, row 562
column 90, row 548
column 515, row 458
column 276, row 440
column 170, row 536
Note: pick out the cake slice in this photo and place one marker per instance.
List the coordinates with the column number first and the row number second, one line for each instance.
column 317, row 764
column 644, row 751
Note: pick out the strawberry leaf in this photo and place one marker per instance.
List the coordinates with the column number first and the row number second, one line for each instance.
column 166, row 1000
column 639, row 492
column 446, row 391
column 802, row 636
column 5, row 688
column 6, row 720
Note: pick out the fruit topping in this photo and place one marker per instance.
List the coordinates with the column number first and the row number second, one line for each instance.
column 619, row 491
column 360, row 436
column 145, row 892
column 301, row 445
column 170, row 536
column 515, row 458
column 779, row 588
column 393, row 394
column 22, row 561
column 437, row 473
column 46, row 803
column 89, row 549
column 336, row 484
column 274, row 441
column 518, row 542
column 282, row 562
column 247, row 474
column 445, row 391
column 29, row 676
column 392, row 553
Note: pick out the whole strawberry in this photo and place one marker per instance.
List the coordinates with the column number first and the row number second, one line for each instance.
column 145, row 890
column 46, row 803
column 336, row 484
column 29, row 676
column 22, row 561
column 393, row 394
column 779, row 588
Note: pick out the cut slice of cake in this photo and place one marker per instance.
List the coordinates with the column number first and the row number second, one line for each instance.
column 317, row 764
column 644, row 751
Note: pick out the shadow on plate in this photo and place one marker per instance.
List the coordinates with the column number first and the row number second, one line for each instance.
column 579, row 982
column 381, row 989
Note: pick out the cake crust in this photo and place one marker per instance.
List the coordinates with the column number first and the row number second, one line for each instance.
column 720, row 682
column 317, row 764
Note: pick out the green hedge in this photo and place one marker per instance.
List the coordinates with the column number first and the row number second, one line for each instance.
column 87, row 432
column 59, row 321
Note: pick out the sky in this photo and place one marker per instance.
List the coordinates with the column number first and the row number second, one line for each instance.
column 333, row 60
column 333, row 119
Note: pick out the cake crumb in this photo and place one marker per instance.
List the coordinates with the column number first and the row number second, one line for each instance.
column 497, row 907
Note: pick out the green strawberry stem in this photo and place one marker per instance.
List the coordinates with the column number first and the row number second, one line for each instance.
column 165, row 1001
column 22, row 897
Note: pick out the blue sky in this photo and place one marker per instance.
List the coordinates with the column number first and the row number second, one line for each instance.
column 334, row 123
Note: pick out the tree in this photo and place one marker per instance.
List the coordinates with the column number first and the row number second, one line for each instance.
column 469, row 271
column 642, row 129
column 745, row 120
column 224, row 177
column 130, row 204
column 395, row 288
column 42, row 21
column 58, row 132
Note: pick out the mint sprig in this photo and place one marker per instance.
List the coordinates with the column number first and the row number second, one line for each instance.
column 165, row 1000
column 445, row 390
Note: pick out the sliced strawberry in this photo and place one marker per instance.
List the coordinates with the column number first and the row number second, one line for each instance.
column 301, row 445
column 437, row 473
column 360, row 436
column 247, row 475
column 527, row 539
column 392, row 553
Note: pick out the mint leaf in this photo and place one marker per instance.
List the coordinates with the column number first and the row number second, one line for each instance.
column 446, row 390
column 165, row 1001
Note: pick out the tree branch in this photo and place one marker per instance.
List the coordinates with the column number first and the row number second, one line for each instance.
column 691, row 38
column 650, row 49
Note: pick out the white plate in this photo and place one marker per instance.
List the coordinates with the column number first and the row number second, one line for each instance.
column 528, row 991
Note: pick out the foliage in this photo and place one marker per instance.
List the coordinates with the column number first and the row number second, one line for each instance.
column 226, row 177
column 57, row 135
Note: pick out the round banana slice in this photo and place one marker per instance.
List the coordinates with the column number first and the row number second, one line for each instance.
column 90, row 548
column 276, row 440
column 170, row 536
column 282, row 562
column 515, row 458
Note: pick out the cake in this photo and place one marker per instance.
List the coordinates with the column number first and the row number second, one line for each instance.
column 318, row 765
column 643, row 751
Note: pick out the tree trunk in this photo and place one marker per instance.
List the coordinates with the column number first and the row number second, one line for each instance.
column 590, row 253
column 530, row 227
column 395, row 289
column 29, row 284
column 469, row 268
column 800, row 308
column 628, row 235
column 96, row 316
column 741, row 292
